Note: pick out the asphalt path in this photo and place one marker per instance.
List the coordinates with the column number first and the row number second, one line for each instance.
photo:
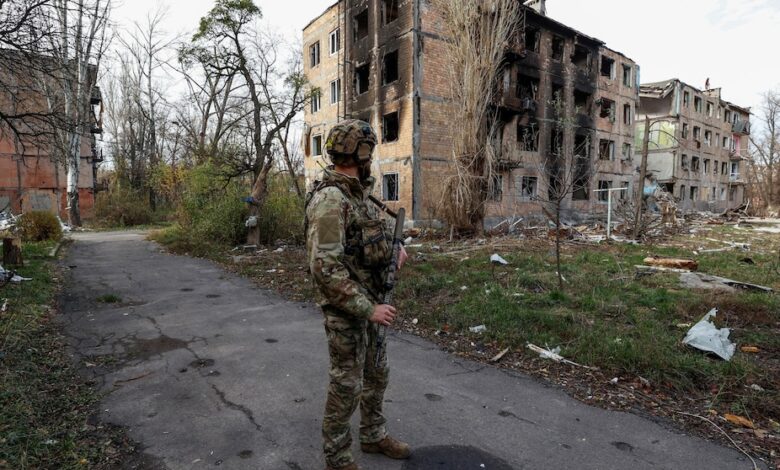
column 207, row 370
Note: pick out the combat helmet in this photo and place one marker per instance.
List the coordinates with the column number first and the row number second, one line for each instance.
column 350, row 143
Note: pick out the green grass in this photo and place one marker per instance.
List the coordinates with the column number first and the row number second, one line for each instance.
column 44, row 405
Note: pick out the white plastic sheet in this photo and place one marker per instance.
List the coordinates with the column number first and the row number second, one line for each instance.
column 706, row 337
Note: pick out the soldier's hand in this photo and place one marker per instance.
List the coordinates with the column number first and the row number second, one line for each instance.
column 383, row 314
column 402, row 257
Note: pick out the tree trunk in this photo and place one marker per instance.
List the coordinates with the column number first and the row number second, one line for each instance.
column 259, row 195
column 642, row 175
column 74, row 160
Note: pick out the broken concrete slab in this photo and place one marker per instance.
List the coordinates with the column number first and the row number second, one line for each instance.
column 703, row 281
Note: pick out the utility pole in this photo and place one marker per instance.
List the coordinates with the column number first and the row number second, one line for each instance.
column 642, row 175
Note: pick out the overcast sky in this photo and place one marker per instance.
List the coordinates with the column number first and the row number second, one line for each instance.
column 731, row 42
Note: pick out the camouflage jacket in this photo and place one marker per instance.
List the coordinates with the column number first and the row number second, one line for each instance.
column 348, row 244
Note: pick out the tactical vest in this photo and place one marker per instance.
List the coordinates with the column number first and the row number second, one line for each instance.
column 367, row 249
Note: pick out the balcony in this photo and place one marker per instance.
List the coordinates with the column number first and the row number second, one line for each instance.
column 741, row 127
column 736, row 178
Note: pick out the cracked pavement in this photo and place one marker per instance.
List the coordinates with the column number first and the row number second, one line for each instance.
column 206, row 369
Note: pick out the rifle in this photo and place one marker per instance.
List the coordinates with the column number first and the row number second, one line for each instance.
column 390, row 280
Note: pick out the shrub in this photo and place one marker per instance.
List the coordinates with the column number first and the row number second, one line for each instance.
column 281, row 218
column 123, row 207
column 39, row 226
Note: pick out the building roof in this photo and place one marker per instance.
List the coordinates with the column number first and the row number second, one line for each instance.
column 662, row 89
column 335, row 4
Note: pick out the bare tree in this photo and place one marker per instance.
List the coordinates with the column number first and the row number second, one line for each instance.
column 76, row 45
column 227, row 41
column 566, row 171
column 766, row 150
column 478, row 34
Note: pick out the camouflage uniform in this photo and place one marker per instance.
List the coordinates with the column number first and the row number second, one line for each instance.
column 348, row 245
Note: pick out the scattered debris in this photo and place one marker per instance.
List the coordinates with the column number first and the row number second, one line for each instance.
column 478, row 329
column 706, row 337
column 656, row 269
column 673, row 263
column 722, row 284
column 251, row 222
column 496, row 259
column 408, row 241
column 4, row 307
column 554, row 354
column 499, row 356
column 415, row 321
column 614, row 381
column 757, row 388
column 739, row 421
column 749, row 349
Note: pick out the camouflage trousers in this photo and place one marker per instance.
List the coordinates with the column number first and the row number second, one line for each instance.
column 354, row 380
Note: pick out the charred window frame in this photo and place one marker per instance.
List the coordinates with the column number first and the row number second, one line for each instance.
column 558, row 46
column 389, row 11
column 581, row 57
column 607, row 67
column 362, row 74
column 583, row 102
column 390, row 127
column 529, row 188
column 390, row 68
column 606, row 149
column 533, row 38
column 360, row 25
column 607, row 109
column 581, row 187
column 390, row 187
column 528, row 135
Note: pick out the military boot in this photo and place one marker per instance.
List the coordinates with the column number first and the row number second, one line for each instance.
column 388, row 446
column 351, row 466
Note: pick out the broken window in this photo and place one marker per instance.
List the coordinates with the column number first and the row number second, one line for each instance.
column 694, row 193
column 724, row 168
column 557, row 96
column 532, row 39
column 607, row 109
column 684, row 162
column 316, row 145
column 732, row 194
column 361, row 79
column 725, row 142
column 715, row 167
column 361, row 25
column 335, row 91
column 527, row 88
column 627, row 76
column 627, row 114
column 389, row 11
column 710, row 108
column 606, row 149
column 685, row 130
column 706, row 166
column 627, row 155
column 390, row 187
column 708, row 138
column 390, row 68
column 607, row 67
column 683, row 194
column 697, row 104
column 390, row 127
column 686, row 99
column 624, row 193
column 581, row 57
column 528, row 136
column 528, row 187
column 314, row 54
column 734, row 170
column 496, row 189
column 335, row 41
column 582, row 168
column 727, row 116
column 557, row 48
column 696, row 133
column 722, row 194
column 695, row 164
column 582, row 102
column 603, row 194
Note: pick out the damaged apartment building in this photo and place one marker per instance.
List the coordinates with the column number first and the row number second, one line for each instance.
column 698, row 144
column 385, row 61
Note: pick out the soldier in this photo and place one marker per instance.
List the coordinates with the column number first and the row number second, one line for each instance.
column 349, row 249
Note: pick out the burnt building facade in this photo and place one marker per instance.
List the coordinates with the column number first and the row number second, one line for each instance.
column 698, row 144
column 385, row 61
